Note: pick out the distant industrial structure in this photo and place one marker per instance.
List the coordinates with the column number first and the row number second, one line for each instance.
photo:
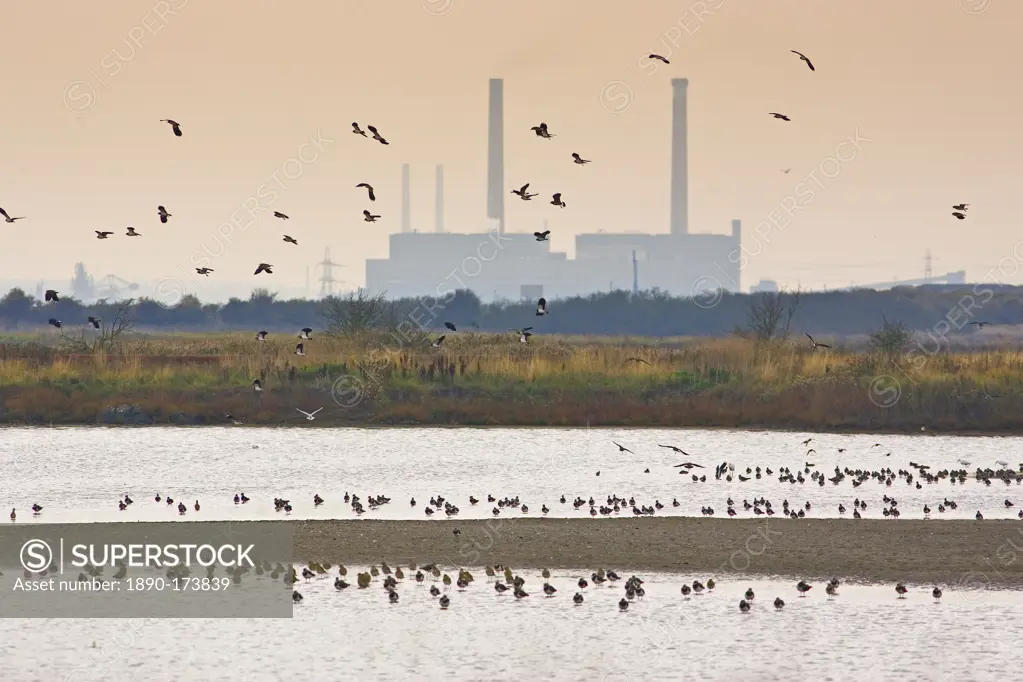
column 110, row 288
column 504, row 265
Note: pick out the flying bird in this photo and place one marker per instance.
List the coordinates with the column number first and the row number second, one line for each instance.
column 175, row 126
column 357, row 130
column 290, row 240
column 959, row 215
column 523, row 334
column 261, row 336
column 300, row 349
column 688, row 465
column 376, row 135
column 304, row 333
column 204, row 271
column 522, row 193
column 102, row 235
column 781, row 116
column 257, row 385
column 451, row 326
column 8, row 218
column 541, row 306
column 94, row 321
column 162, row 212
column 282, row 216
column 369, row 188
column 55, row 322
column 369, row 217
column 676, row 449
column 659, row 58
column 622, row 448
column 541, row 131
column 578, row 159
column 804, row 58
column 438, row 342
column 635, row 360
column 556, row 200
column 133, row 233
column 960, row 207
column 542, row 236
column 264, row 267
column 309, row 415
column 786, row 171
column 816, row 345
column 980, row 325
column 51, row 295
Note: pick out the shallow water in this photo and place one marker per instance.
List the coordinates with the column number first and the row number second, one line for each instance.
column 80, row 473
column 865, row 633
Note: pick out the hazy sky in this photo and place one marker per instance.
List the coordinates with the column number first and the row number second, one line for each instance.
column 933, row 87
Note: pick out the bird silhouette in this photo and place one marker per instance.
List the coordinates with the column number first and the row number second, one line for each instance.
column 658, row 57
column 556, row 200
column 781, row 116
column 522, row 192
column 290, row 240
column 264, row 267
column 357, row 130
column 622, row 448
column 369, row 217
column 175, row 126
column 133, row 233
column 8, row 218
column 369, row 188
column 805, row 59
column 815, row 345
column 578, row 159
column 162, row 212
column 204, row 271
column 542, row 236
column 541, row 131
column 51, row 295
column 102, row 235
column 282, row 216
column 376, row 135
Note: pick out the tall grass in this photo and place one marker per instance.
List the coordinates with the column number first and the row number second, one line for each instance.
column 494, row 379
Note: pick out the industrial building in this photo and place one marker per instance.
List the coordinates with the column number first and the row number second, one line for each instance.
column 496, row 264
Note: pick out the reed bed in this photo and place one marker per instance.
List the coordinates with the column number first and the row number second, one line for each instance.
column 479, row 378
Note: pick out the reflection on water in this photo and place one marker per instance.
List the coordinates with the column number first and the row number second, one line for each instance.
column 79, row 474
column 865, row 633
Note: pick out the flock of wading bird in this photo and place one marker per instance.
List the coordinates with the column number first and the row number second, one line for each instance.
column 516, row 584
column 916, row 476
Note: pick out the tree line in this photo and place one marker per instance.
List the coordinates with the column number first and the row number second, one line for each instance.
column 764, row 315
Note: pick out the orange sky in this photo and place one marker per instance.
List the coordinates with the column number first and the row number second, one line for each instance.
column 933, row 87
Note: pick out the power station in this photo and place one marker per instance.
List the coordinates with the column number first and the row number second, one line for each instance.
column 499, row 264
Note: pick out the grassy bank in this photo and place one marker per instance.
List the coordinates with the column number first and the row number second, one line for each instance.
column 480, row 379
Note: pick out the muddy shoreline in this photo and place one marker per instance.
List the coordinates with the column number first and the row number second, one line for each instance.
column 966, row 554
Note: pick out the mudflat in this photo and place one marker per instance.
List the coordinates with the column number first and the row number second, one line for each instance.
column 966, row 554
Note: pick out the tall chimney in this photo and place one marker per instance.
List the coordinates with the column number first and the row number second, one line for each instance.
column 438, row 220
column 679, row 159
column 495, row 154
column 406, row 200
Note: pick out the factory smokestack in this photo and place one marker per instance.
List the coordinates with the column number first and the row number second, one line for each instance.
column 406, row 199
column 679, row 158
column 439, row 201
column 495, row 154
